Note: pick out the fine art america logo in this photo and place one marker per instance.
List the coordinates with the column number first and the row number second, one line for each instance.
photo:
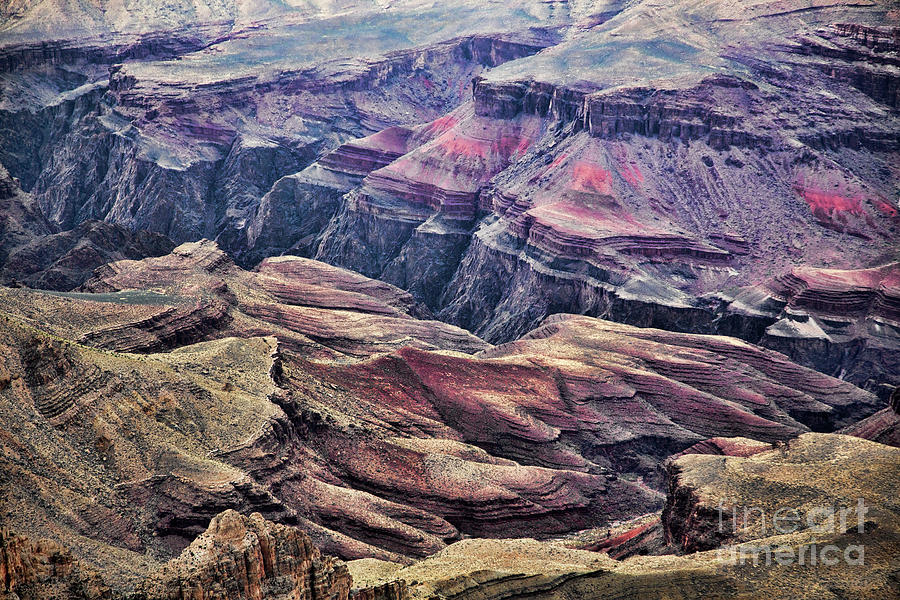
column 787, row 520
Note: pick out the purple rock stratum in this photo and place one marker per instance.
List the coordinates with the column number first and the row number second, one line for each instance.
column 420, row 300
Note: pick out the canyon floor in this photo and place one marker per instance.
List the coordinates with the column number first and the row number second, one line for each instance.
column 397, row 300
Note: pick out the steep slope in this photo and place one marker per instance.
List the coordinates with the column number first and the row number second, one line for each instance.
column 842, row 322
column 638, row 170
column 236, row 558
column 34, row 253
column 189, row 126
column 653, row 163
column 241, row 558
column 883, row 426
column 183, row 385
column 816, row 472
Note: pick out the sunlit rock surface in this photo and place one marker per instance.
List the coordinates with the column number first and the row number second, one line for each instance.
column 816, row 471
column 184, row 385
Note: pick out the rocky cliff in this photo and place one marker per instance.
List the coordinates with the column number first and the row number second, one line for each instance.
column 34, row 253
column 341, row 410
column 596, row 164
column 36, row 570
column 883, row 426
column 842, row 322
column 239, row 558
column 612, row 196
column 801, row 478
column 188, row 151
column 615, row 266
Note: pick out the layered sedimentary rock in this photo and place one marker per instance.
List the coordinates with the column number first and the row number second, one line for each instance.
column 317, row 308
column 626, row 171
column 816, row 473
column 630, row 184
column 807, row 476
column 183, row 385
column 34, row 253
column 32, row 570
column 883, row 426
column 248, row 557
column 187, row 134
column 725, row 446
column 293, row 215
column 237, row 557
column 843, row 322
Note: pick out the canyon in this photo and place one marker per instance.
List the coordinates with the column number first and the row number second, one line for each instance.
column 594, row 164
column 168, row 390
column 394, row 299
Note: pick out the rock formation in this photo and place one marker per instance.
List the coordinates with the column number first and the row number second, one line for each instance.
column 883, row 426
column 344, row 412
column 589, row 196
column 236, row 558
column 842, row 322
column 804, row 477
column 40, row 570
column 244, row 558
column 597, row 164
column 513, row 299
column 34, row 253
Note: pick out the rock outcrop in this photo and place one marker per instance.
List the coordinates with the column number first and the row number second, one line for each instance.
column 235, row 558
column 883, row 426
column 245, row 558
column 445, row 420
column 817, row 473
column 41, row 570
column 34, row 253
column 575, row 182
column 120, row 132
column 598, row 164
column 716, row 500
column 842, row 322
column 344, row 412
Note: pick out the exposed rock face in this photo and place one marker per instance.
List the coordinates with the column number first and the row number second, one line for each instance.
column 722, row 446
column 626, row 196
column 236, row 558
column 817, row 471
column 41, row 570
column 34, row 253
column 636, row 537
column 392, row 590
column 240, row 558
column 65, row 260
column 21, row 220
column 883, row 426
column 804, row 473
column 322, row 310
column 124, row 134
column 843, row 322
column 379, row 433
column 628, row 171
column 692, row 168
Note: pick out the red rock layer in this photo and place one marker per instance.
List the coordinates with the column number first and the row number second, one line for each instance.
column 858, row 293
column 458, row 154
column 727, row 447
column 883, row 426
column 313, row 304
column 379, row 433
